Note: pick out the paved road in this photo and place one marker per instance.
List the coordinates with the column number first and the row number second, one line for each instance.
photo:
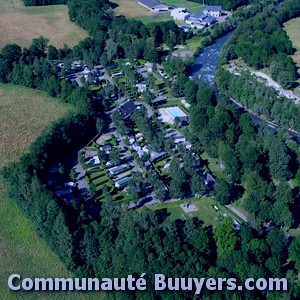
column 238, row 213
column 277, row 87
column 150, row 112
column 82, row 185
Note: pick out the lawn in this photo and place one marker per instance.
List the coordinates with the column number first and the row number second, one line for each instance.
column 194, row 43
column 132, row 10
column 24, row 113
column 214, row 166
column 20, row 24
column 292, row 28
column 205, row 212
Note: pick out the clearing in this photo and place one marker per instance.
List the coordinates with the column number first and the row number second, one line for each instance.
column 24, row 114
column 205, row 212
column 132, row 10
column 20, row 24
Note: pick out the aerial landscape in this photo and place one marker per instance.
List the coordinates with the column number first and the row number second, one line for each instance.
column 146, row 137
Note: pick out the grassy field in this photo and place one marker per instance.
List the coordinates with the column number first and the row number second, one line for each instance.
column 131, row 9
column 205, row 212
column 20, row 24
column 292, row 29
column 24, row 113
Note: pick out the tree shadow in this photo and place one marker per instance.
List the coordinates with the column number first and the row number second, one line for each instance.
column 162, row 215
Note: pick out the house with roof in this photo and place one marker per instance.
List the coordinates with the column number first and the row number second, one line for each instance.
column 196, row 18
column 122, row 182
column 154, row 5
column 209, row 20
column 126, row 109
column 213, row 11
column 180, row 14
column 116, row 170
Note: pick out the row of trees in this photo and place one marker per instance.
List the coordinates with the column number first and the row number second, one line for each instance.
column 261, row 42
column 261, row 99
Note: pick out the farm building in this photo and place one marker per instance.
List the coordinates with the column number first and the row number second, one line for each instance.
column 179, row 14
column 214, row 11
column 154, row 5
column 122, row 182
column 116, row 170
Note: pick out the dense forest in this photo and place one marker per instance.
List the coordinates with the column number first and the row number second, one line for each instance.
column 261, row 99
column 119, row 241
column 116, row 241
column 262, row 43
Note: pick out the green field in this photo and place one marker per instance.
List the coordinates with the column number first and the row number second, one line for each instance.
column 292, row 29
column 132, row 10
column 20, row 24
column 205, row 212
column 194, row 43
column 24, row 113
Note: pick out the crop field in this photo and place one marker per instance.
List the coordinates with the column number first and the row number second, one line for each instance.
column 132, row 10
column 24, row 113
column 20, row 24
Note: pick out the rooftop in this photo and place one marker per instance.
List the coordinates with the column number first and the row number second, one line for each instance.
column 213, row 8
column 151, row 3
column 126, row 109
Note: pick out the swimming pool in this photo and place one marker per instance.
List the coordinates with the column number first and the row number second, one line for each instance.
column 175, row 112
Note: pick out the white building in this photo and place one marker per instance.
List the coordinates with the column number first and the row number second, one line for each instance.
column 214, row 11
column 179, row 14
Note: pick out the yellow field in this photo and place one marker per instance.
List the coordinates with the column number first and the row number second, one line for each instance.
column 20, row 24
column 24, row 113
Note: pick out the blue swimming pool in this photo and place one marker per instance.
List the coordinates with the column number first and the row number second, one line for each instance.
column 176, row 112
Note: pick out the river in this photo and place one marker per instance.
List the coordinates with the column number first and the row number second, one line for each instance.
column 207, row 60
column 204, row 68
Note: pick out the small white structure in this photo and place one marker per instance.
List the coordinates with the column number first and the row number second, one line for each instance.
column 140, row 153
column 118, row 74
column 141, row 87
column 69, row 184
column 185, row 104
column 95, row 160
column 147, row 149
column 180, row 14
